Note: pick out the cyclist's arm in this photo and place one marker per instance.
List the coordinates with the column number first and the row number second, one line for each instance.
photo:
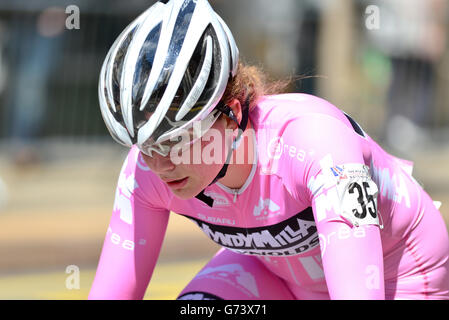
column 132, row 244
column 352, row 256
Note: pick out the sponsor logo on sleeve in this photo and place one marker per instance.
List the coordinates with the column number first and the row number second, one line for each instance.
column 216, row 220
column 126, row 187
column 392, row 185
column 120, row 241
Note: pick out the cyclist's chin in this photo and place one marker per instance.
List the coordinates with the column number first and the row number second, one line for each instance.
column 190, row 190
column 186, row 193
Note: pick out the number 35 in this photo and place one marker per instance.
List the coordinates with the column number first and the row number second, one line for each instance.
column 365, row 199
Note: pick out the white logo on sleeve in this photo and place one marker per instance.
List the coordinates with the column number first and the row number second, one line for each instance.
column 126, row 186
column 126, row 244
column 392, row 185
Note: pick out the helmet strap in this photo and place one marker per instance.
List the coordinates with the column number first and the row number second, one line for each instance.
column 242, row 127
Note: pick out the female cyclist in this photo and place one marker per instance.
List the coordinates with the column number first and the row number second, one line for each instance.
column 304, row 203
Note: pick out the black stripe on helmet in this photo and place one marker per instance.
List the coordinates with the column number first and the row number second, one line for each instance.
column 176, row 42
column 117, row 74
column 191, row 76
column 144, row 65
column 179, row 31
column 214, row 75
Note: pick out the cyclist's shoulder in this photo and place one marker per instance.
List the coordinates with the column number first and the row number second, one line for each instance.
column 299, row 118
column 308, row 133
column 282, row 110
column 300, row 102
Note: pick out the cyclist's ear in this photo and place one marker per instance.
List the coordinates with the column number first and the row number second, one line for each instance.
column 236, row 107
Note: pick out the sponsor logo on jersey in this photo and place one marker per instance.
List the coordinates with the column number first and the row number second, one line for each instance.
column 266, row 208
column 276, row 147
column 216, row 220
column 295, row 235
column 219, row 199
column 235, row 275
column 338, row 172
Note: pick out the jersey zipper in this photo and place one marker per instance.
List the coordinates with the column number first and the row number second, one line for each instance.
column 235, row 191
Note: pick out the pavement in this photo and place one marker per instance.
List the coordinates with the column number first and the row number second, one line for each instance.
column 56, row 211
column 167, row 282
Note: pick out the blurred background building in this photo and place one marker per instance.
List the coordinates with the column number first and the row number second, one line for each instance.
column 384, row 62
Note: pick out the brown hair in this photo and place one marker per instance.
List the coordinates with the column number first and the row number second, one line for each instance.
column 251, row 83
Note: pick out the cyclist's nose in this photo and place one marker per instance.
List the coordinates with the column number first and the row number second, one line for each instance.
column 159, row 164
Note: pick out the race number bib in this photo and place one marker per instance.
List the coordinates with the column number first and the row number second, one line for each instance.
column 357, row 194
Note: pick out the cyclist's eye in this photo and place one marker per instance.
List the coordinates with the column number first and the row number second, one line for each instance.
column 173, row 141
column 166, row 144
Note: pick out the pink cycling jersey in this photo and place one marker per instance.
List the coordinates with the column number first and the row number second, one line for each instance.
column 325, row 212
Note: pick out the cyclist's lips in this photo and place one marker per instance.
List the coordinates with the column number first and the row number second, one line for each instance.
column 177, row 184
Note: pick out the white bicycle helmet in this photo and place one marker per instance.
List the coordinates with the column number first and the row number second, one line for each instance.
column 167, row 69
